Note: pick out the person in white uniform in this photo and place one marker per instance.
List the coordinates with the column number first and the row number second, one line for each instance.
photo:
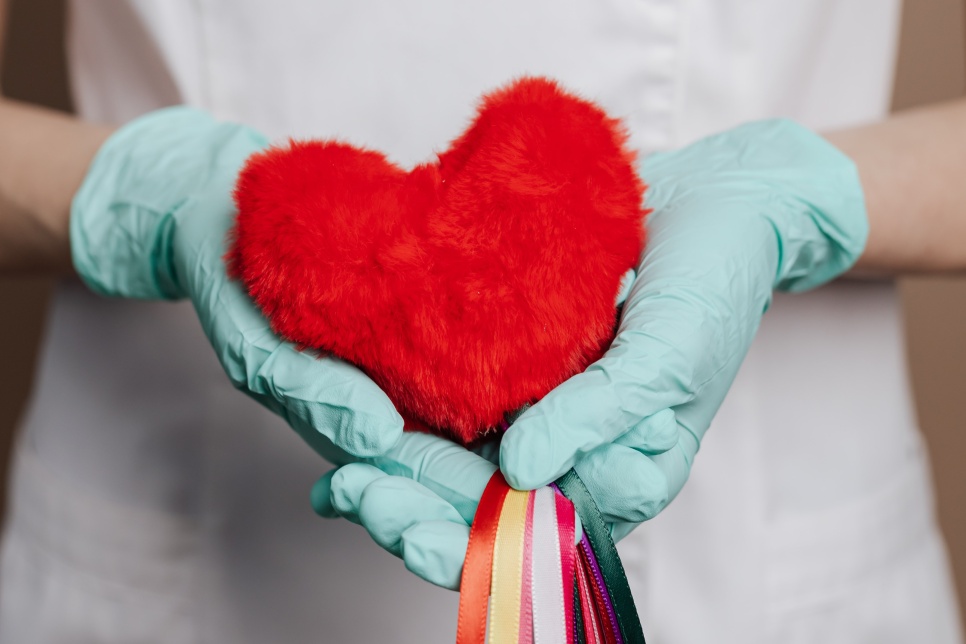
column 150, row 502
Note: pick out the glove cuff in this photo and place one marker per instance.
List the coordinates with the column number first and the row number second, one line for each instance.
column 813, row 199
column 800, row 184
column 123, row 216
column 823, row 227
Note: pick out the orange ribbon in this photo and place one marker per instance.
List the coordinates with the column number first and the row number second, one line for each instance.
column 478, row 566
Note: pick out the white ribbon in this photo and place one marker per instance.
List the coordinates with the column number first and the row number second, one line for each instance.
column 546, row 581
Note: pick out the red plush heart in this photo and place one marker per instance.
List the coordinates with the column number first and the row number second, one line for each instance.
column 467, row 286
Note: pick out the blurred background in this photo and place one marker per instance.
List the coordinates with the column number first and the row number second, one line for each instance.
column 931, row 67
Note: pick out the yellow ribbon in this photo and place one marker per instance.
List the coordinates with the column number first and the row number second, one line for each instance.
column 507, row 580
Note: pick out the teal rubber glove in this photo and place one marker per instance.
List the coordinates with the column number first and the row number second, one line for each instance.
column 765, row 206
column 417, row 501
column 150, row 221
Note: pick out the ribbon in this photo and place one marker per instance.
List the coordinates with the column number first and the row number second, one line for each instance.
column 609, row 632
column 609, row 563
column 540, row 587
column 579, row 636
column 508, row 569
column 592, row 631
column 549, row 610
column 526, row 602
column 605, row 606
column 568, row 555
column 478, row 565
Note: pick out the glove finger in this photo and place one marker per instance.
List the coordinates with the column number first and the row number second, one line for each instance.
column 435, row 551
column 574, row 419
column 393, row 504
column 333, row 398
column 626, row 485
column 451, row 471
column 314, row 395
column 631, row 489
column 321, row 496
column 676, row 462
column 346, row 486
column 660, row 359
column 653, row 435
column 621, row 529
column 667, row 349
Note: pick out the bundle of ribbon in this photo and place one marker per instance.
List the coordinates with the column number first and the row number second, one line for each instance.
column 527, row 579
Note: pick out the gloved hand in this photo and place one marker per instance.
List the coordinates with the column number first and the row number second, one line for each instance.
column 768, row 205
column 765, row 206
column 150, row 221
column 417, row 501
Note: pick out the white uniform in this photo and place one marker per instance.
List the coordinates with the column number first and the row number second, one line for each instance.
column 152, row 503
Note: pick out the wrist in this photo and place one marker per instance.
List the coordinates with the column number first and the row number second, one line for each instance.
column 43, row 157
column 773, row 178
column 823, row 226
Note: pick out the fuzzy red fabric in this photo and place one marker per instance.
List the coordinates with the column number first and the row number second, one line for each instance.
column 467, row 286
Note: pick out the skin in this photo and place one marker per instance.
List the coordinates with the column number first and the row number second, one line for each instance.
column 912, row 167
column 913, row 171
column 43, row 158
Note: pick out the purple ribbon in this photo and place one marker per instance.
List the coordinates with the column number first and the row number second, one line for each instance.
column 599, row 578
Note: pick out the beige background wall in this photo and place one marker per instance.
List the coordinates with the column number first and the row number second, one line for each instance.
column 32, row 70
column 932, row 66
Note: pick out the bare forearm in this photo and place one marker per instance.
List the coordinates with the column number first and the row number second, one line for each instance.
column 913, row 170
column 43, row 158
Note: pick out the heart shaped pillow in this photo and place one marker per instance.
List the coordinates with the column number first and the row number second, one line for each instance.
column 466, row 287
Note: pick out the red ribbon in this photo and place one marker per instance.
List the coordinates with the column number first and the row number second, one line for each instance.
column 568, row 553
column 478, row 566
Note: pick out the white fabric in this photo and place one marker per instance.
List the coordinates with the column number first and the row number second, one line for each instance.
column 546, row 572
column 153, row 503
